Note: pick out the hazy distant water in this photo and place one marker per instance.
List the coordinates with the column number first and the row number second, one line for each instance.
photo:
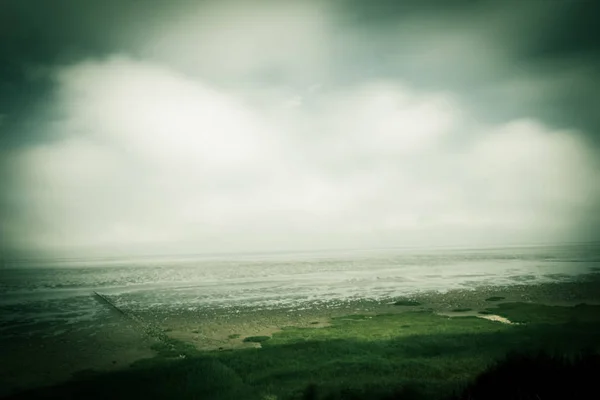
column 54, row 291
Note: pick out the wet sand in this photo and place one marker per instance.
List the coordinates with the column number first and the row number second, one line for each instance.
column 34, row 360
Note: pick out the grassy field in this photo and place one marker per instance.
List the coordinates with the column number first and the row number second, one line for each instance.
column 417, row 353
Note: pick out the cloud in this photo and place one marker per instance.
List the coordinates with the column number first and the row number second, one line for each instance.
column 267, row 41
column 147, row 156
column 272, row 127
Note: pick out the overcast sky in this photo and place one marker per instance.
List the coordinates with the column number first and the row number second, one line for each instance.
column 231, row 126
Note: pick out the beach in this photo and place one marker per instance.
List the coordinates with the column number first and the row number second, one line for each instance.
column 44, row 352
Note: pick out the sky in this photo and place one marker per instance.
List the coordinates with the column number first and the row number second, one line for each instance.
column 130, row 127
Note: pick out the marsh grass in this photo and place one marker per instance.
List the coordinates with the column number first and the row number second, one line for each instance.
column 537, row 376
column 541, row 314
column 256, row 339
column 407, row 302
column 410, row 355
column 170, row 348
column 495, row 298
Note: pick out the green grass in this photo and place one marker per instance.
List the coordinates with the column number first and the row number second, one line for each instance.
column 256, row 339
column 495, row 298
column 169, row 348
column 462, row 309
column 234, row 336
column 541, row 314
column 368, row 356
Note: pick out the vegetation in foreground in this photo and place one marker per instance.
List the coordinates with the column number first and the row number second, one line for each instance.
column 407, row 303
column 256, row 339
column 495, row 298
column 412, row 355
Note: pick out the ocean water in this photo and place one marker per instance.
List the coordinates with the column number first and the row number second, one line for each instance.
column 34, row 294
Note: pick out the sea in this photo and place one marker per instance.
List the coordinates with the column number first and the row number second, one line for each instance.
column 35, row 294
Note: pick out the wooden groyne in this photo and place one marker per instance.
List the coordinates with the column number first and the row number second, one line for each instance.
column 148, row 328
column 104, row 300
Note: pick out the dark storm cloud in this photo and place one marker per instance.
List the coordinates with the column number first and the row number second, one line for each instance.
column 34, row 34
column 576, row 33
column 550, row 55
column 553, row 45
column 569, row 48
column 37, row 35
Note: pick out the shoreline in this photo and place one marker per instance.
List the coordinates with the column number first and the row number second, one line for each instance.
column 114, row 343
